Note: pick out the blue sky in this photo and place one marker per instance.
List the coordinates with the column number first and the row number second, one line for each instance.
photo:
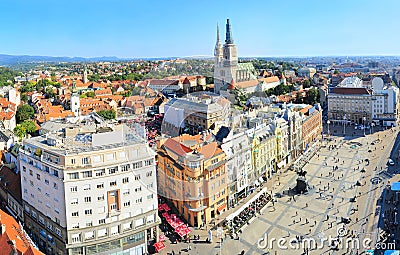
column 141, row 28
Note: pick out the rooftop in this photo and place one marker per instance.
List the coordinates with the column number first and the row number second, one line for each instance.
column 86, row 133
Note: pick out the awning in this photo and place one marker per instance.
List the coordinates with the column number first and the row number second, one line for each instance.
column 261, row 179
column 159, row 246
column 281, row 164
column 222, row 207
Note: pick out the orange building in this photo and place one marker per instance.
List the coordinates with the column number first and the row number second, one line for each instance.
column 311, row 126
column 191, row 175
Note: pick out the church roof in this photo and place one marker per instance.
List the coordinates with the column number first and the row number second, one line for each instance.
column 246, row 84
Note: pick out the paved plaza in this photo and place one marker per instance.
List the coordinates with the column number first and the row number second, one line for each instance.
column 345, row 180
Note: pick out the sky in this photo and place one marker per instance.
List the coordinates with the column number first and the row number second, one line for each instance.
column 174, row 28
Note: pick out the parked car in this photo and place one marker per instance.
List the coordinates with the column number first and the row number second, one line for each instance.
column 391, row 162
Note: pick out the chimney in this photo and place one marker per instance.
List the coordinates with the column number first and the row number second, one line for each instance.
column 3, row 228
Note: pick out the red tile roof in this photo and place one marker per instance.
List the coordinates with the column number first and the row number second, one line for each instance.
column 176, row 147
column 14, row 238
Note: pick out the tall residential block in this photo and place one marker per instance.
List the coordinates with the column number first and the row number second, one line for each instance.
column 89, row 187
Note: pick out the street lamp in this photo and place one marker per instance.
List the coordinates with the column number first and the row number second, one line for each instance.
column 328, row 122
column 344, row 124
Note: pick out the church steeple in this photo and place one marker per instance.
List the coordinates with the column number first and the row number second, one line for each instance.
column 218, row 41
column 218, row 48
column 229, row 38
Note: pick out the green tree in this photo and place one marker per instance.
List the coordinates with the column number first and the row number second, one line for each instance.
column 306, row 83
column 29, row 126
column 20, row 131
column 336, row 71
column 107, row 114
column 312, row 96
column 50, row 92
column 24, row 97
column 25, row 112
column 299, row 98
column 90, row 94
column 95, row 77
column 25, row 127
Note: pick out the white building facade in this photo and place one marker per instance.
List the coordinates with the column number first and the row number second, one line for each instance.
column 89, row 190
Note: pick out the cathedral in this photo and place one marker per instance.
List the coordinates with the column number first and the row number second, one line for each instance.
column 228, row 73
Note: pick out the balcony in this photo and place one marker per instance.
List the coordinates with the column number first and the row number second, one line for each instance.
column 216, row 165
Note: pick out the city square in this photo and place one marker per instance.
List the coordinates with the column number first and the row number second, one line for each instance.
column 341, row 169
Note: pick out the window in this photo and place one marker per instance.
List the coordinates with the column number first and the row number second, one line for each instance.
column 31, row 182
column 76, row 238
column 126, row 192
column 138, row 189
column 38, row 176
column 112, row 170
column 125, row 180
column 125, row 168
column 139, row 200
column 86, row 187
column 150, row 185
column 88, row 211
column 41, row 220
column 55, row 173
column 113, row 183
column 148, row 162
column 102, row 221
column 46, row 181
column 58, row 232
column 73, row 176
column 137, row 165
column 88, row 199
column 89, row 224
column 137, row 177
column 87, row 174
column 102, row 232
column 85, row 161
column 73, row 161
column 100, row 185
column 100, row 198
column 150, row 196
column 74, row 188
column 110, row 156
column 150, row 173
column 96, row 159
column 55, row 185
column 75, row 214
column 113, row 206
column 24, row 168
column 30, row 172
column 122, row 154
column 100, row 172
column 74, row 201
column 126, row 204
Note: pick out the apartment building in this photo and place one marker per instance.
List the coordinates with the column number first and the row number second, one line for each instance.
column 198, row 112
column 192, row 176
column 89, row 187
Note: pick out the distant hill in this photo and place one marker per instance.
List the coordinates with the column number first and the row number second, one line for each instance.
column 9, row 60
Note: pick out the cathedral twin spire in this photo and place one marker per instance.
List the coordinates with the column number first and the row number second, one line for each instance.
column 228, row 38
